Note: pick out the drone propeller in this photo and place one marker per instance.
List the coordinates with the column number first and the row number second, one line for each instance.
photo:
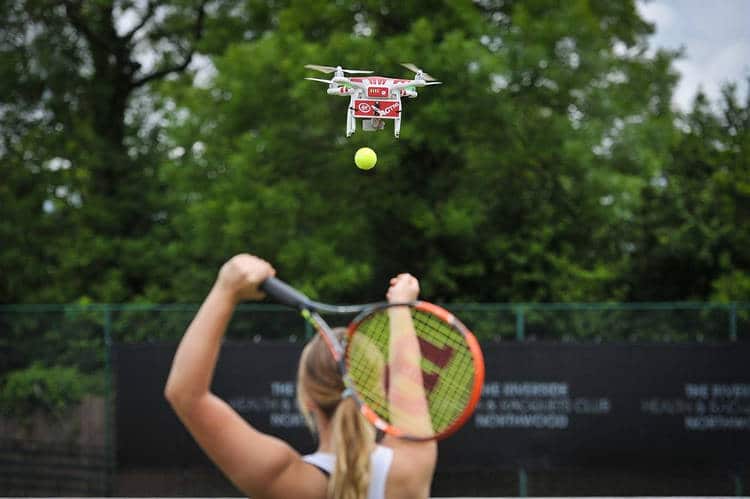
column 320, row 80
column 415, row 69
column 431, row 82
column 331, row 69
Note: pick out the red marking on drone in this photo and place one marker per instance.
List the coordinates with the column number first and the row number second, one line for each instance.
column 390, row 109
column 377, row 92
column 364, row 108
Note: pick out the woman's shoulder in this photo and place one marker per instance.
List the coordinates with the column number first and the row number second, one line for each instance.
column 413, row 465
column 299, row 480
column 410, row 453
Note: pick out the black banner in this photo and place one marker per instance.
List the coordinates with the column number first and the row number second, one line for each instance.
column 543, row 405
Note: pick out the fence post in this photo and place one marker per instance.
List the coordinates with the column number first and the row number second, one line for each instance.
column 738, row 486
column 520, row 333
column 108, row 402
column 733, row 322
column 523, row 479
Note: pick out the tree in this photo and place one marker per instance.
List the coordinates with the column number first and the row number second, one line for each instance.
column 76, row 159
column 499, row 187
column 533, row 174
column 694, row 220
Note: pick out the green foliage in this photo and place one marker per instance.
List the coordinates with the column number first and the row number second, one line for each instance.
column 77, row 162
column 549, row 166
column 72, row 337
column 51, row 389
column 693, row 224
column 498, row 177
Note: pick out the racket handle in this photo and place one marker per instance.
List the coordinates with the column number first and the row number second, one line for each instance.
column 284, row 293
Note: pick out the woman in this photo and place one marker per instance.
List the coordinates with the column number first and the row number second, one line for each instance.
column 348, row 463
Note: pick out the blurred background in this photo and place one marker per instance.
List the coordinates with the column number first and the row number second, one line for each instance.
column 581, row 180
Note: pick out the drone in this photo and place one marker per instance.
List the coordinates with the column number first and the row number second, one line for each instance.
column 373, row 99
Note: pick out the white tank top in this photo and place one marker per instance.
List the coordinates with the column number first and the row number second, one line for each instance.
column 380, row 463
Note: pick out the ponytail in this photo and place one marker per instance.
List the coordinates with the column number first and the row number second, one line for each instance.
column 352, row 437
column 353, row 440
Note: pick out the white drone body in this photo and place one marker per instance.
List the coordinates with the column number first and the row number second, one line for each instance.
column 373, row 99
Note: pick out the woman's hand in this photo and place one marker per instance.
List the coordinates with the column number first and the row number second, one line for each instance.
column 404, row 288
column 242, row 275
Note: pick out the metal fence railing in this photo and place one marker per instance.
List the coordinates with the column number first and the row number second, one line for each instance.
column 45, row 468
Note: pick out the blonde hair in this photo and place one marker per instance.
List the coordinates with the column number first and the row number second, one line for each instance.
column 319, row 382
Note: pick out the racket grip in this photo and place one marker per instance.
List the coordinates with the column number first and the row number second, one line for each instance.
column 284, row 293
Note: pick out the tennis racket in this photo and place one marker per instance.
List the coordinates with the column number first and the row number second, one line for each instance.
column 414, row 369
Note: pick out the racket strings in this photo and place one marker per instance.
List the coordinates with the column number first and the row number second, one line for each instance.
column 447, row 368
column 453, row 365
column 367, row 354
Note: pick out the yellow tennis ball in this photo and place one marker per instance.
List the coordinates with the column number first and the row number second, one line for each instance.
column 365, row 158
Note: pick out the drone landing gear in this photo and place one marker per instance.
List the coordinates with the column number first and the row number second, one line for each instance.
column 351, row 123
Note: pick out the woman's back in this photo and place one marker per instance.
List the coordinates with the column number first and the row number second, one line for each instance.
column 380, row 464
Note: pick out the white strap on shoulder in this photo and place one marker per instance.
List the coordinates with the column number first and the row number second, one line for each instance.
column 380, row 464
column 322, row 460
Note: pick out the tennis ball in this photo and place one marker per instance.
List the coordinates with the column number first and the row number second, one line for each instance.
column 365, row 158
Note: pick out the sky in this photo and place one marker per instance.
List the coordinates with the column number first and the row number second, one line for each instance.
column 715, row 35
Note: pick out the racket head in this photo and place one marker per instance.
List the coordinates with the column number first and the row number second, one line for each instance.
column 389, row 385
column 335, row 346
